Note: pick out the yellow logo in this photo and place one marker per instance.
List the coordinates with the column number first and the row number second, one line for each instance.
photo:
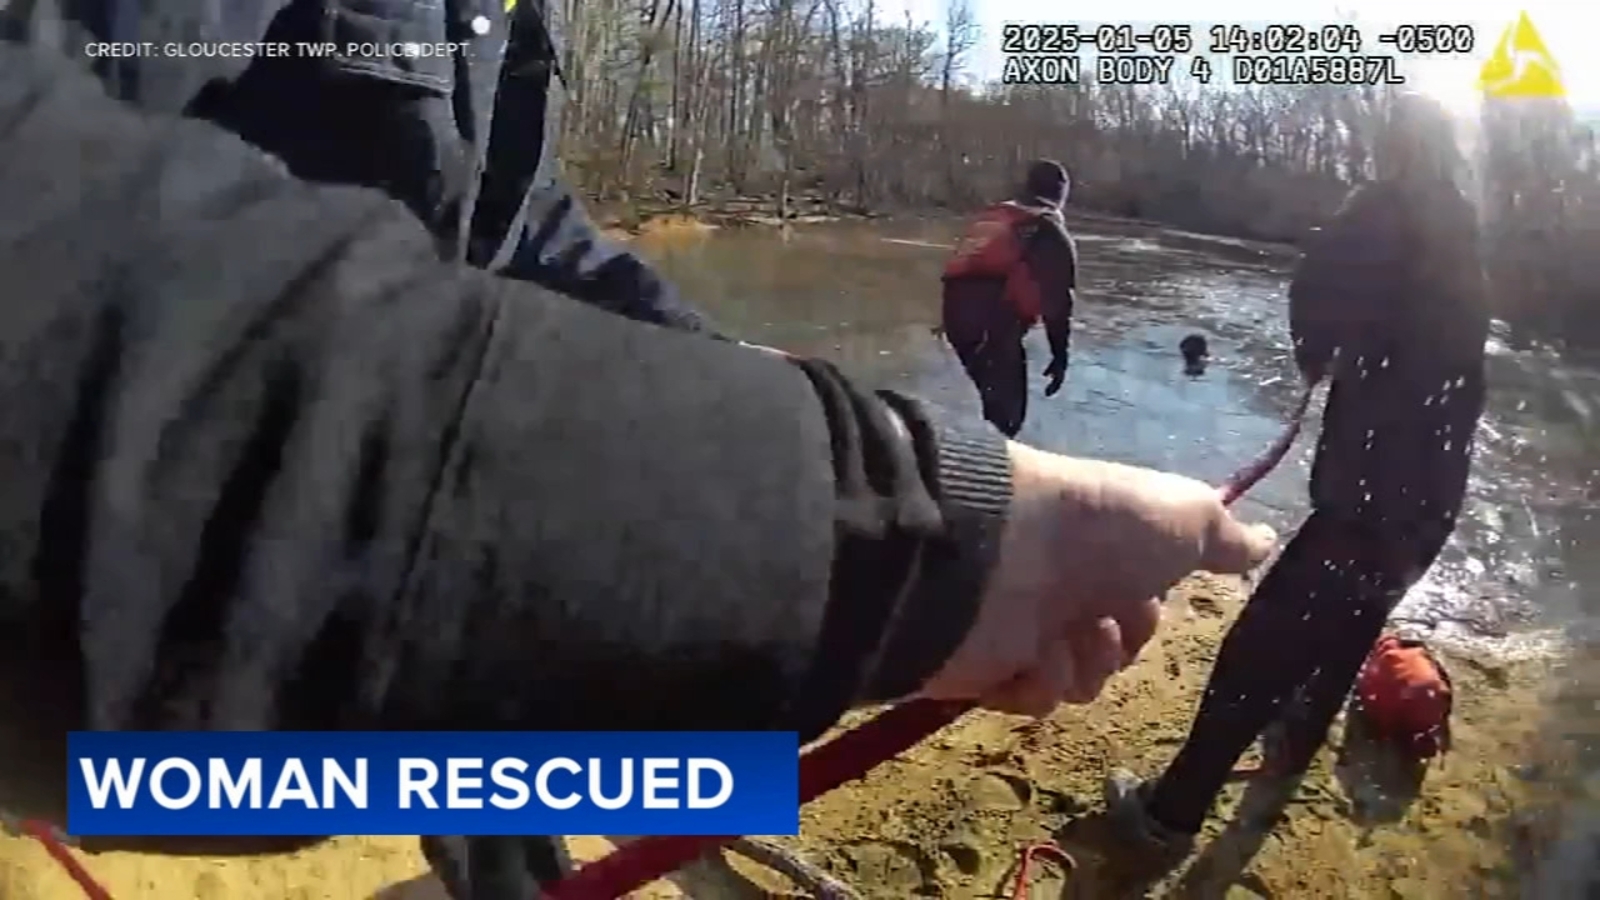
column 1521, row 66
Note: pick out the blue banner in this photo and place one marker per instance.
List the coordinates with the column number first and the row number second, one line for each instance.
column 475, row 783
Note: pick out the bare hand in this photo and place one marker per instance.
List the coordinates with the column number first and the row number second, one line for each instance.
column 1088, row 549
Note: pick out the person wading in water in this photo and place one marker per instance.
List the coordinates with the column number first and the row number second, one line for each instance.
column 1390, row 303
column 1014, row 265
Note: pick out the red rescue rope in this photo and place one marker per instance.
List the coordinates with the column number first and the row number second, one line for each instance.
column 55, row 844
column 1020, row 888
column 847, row 757
column 850, row 755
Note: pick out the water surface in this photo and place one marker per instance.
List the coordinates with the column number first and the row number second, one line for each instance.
column 1521, row 566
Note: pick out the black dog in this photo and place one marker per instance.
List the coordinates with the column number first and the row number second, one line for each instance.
column 1195, row 353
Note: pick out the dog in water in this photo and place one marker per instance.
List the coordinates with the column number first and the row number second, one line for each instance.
column 1196, row 351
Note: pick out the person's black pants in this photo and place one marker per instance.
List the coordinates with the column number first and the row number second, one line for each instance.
column 1388, row 482
column 987, row 337
column 1294, row 652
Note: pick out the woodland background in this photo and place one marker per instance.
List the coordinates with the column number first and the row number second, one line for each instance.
column 807, row 104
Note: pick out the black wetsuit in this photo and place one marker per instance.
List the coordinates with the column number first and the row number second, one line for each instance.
column 986, row 331
column 1391, row 300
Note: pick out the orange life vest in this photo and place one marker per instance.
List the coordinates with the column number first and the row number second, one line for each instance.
column 992, row 247
column 1406, row 697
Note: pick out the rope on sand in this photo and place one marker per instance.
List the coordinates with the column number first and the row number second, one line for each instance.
column 57, row 844
column 786, row 862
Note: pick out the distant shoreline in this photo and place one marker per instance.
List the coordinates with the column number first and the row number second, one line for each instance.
column 743, row 212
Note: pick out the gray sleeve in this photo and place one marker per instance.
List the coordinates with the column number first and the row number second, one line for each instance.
column 291, row 472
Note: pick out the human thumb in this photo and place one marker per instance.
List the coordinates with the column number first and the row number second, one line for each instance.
column 1234, row 548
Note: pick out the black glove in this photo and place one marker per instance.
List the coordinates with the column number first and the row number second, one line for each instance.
column 1056, row 371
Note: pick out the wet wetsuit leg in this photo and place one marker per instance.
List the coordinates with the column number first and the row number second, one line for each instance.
column 1004, row 384
column 1312, row 708
column 1342, row 653
column 1293, row 654
column 987, row 337
column 1263, row 662
column 1389, row 479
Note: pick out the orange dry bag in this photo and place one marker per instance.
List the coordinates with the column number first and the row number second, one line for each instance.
column 1406, row 696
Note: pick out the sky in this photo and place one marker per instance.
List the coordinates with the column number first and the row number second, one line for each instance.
column 1567, row 26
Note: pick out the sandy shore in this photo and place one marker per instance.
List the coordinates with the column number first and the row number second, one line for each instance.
column 946, row 819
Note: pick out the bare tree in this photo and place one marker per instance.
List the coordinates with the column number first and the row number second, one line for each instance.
column 961, row 33
column 825, row 102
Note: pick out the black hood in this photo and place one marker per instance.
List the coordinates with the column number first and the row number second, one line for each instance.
column 1047, row 184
